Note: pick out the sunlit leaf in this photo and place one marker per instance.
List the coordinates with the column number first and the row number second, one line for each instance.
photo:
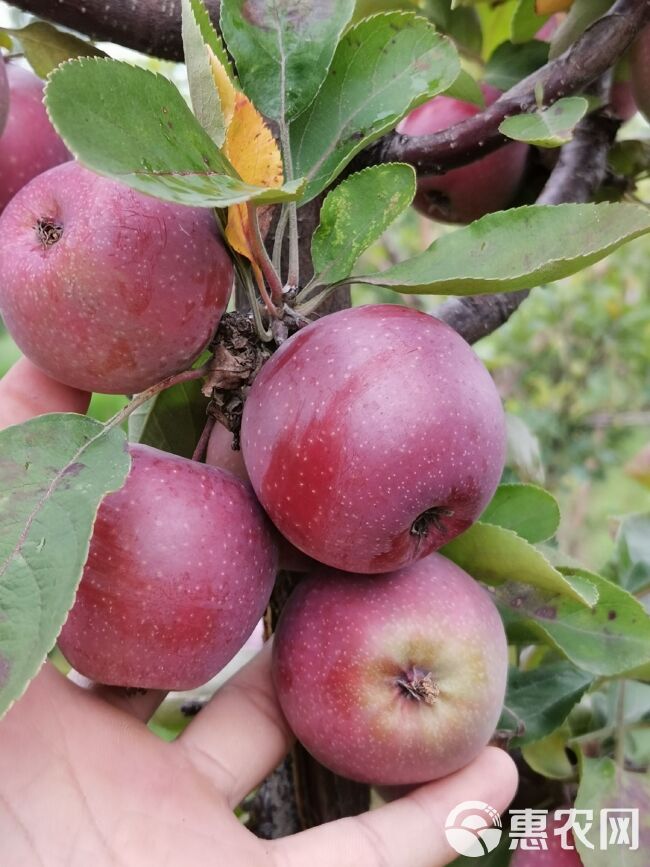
column 133, row 125
column 517, row 249
column 283, row 48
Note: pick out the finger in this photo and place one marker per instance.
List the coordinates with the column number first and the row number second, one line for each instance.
column 409, row 832
column 138, row 703
column 241, row 735
column 25, row 392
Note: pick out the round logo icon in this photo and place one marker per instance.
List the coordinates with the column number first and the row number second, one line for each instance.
column 473, row 829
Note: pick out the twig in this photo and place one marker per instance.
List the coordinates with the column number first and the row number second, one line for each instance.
column 202, row 445
column 144, row 396
column 150, row 26
column 595, row 52
column 578, row 174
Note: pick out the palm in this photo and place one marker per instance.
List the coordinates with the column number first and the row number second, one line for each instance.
column 83, row 780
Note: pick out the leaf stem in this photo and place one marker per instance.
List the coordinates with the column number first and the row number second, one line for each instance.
column 279, row 238
column 264, row 262
column 293, row 273
column 264, row 335
column 144, row 396
column 620, row 727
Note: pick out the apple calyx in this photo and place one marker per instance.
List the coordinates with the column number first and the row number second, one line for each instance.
column 49, row 231
column 431, row 518
column 419, row 685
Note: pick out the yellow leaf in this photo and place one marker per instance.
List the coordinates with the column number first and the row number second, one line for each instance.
column 224, row 85
column 548, row 7
column 254, row 154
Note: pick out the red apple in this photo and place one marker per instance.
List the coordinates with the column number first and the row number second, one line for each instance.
column 373, row 437
column 28, row 145
column 181, row 566
column 395, row 679
column 469, row 192
column 106, row 289
column 640, row 71
column 220, row 453
column 554, row 855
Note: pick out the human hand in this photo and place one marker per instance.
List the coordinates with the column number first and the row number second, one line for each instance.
column 83, row 781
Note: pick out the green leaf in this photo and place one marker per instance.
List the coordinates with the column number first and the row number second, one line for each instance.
column 283, row 49
column 496, row 22
column 547, row 128
column 581, row 15
column 516, row 249
column 45, row 47
column 610, row 638
column 210, row 36
column 538, row 701
column 172, row 421
column 54, row 472
column 461, row 24
column 204, row 94
column 134, row 126
column 495, row 555
column 5, row 40
column 383, row 67
column 604, row 786
column 631, row 563
column 356, row 214
column 529, row 511
column 466, row 89
column 526, row 22
column 510, row 63
column 548, row 756
column 630, row 157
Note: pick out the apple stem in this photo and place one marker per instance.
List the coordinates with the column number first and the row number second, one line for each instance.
column 419, row 685
column 430, row 518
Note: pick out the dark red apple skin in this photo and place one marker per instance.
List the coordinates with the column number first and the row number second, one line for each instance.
column 181, row 566
column 344, row 641
column 130, row 292
column 640, row 71
column 29, row 144
column 555, row 855
column 469, row 192
column 220, row 453
column 362, row 422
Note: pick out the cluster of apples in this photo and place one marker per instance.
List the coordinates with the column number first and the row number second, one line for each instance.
column 370, row 439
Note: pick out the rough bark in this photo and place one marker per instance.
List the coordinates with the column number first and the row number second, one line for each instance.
column 150, row 26
column 596, row 51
